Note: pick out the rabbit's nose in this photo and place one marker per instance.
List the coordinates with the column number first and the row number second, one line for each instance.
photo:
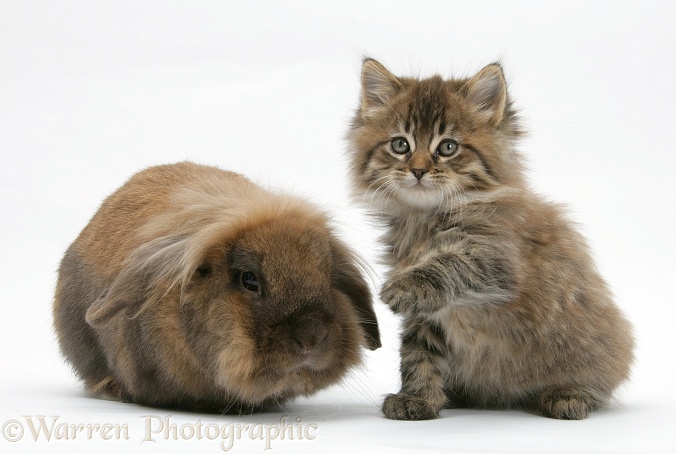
column 309, row 335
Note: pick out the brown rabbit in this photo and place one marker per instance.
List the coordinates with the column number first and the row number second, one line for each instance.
column 193, row 288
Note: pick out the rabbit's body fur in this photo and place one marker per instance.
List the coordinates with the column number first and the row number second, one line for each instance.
column 194, row 288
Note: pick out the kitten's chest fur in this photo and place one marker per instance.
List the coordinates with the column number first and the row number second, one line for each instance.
column 409, row 238
column 414, row 237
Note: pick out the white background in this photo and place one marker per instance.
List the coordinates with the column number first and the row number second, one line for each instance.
column 91, row 92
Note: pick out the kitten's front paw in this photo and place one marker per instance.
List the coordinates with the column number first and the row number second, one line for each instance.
column 395, row 296
column 412, row 291
column 409, row 408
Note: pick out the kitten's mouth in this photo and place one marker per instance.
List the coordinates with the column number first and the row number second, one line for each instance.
column 420, row 185
column 419, row 193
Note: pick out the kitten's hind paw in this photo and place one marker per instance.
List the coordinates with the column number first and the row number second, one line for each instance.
column 409, row 408
column 567, row 403
column 108, row 389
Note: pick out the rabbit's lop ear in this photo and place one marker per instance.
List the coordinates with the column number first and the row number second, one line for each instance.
column 122, row 296
column 348, row 279
column 147, row 276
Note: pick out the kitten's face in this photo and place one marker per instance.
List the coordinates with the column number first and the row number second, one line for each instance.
column 428, row 143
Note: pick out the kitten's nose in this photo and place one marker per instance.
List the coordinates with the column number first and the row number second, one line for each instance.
column 419, row 173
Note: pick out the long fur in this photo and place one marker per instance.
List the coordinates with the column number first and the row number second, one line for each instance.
column 502, row 305
column 151, row 306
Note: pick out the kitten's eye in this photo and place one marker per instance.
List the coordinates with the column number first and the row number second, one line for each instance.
column 249, row 281
column 400, row 145
column 447, row 148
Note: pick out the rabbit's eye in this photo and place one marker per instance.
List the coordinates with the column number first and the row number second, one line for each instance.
column 203, row 270
column 249, row 281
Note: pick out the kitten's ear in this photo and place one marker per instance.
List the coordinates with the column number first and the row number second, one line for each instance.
column 487, row 90
column 378, row 85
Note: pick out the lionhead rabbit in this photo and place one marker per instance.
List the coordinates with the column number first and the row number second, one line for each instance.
column 193, row 288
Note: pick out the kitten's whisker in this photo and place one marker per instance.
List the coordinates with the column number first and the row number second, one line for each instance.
column 376, row 181
column 377, row 197
column 389, row 188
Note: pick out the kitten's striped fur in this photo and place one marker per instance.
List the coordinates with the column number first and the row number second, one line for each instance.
column 502, row 304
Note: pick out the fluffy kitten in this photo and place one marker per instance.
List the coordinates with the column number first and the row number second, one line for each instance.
column 502, row 305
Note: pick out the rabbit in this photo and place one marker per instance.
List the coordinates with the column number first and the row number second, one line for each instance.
column 194, row 288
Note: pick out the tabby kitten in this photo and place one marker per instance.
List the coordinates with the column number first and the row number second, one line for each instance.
column 502, row 305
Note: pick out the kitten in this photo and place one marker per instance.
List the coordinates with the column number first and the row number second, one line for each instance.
column 502, row 305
